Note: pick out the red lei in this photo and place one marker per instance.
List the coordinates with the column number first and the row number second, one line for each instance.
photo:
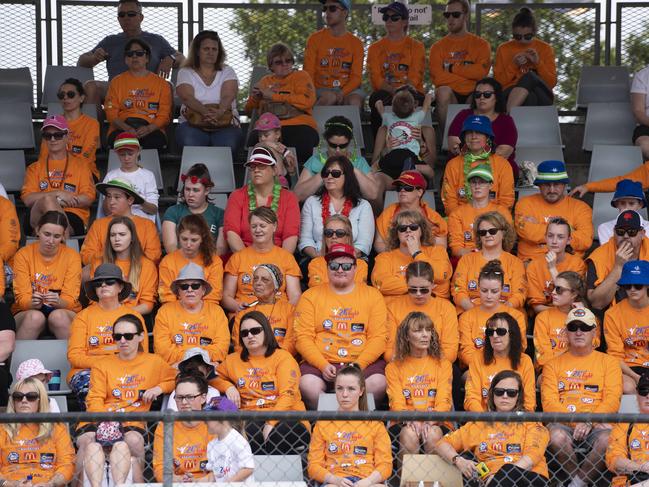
column 326, row 201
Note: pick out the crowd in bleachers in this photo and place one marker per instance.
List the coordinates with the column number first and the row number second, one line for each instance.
column 310, row 280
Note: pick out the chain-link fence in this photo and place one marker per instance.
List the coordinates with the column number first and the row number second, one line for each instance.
column 632, row 29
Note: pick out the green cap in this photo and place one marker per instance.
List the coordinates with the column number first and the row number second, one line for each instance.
column 482, row 171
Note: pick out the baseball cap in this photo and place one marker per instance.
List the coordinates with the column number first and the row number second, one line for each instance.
column 397, row 7
column 411, row 178
column 267, row 121
column 124, row 185
column 634, row 272
column 629, row 189
column 340, row 250
column 628, row 219
column 346, row 4
column 261, row 155
column 583, row 315
column 56, row 121
column 551, row 172
column 126, row 140
column 482, row 171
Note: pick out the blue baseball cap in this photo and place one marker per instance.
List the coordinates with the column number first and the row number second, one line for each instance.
column 551, row 172
column 346, row 4
column 629, row 189
column 635, row 272
column 397, row 7
column 477, row 123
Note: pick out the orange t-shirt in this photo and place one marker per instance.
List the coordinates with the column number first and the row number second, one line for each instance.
column 628, row 441
column 627, row 333
column 539, row 280
column 397, row 62
column 334, row 61
column 340, row 328
column 419, row 384
column 389, row 273
column 470, row 57
column 243, row 263
column 531, row 236
column 147, row 233
column 460, row 225
column 440, row 310
column 453, row 191
column 32, row 272
column 146, row 290
column 386, row 218
column 318, row 271
column 72, row 175
column 171, row 265
column 280, row 317
column 640, row 174
column 189, row 449
column 83, row 140
column 508, row 73
column 9, row 229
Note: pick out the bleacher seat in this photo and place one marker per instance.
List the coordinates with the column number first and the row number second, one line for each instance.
column 428, row 469
column 608, row 124
column 258, row 72
column 526, row 191
column 148, row 159
column 12, row 170
column 613, row 160
column 56, row 75
column 219, row 164
column 53, row 354
column 16, row 129
column 219, row 199
column 451, row 113
column 324, row 113
column 62, row 402
column 537, row 126
column 539, row 154
column 629, row 404
column 327, row 402
column 55, row 108
column 16, row 86
column 278, row 468
column 393, row 197
column 602, row 84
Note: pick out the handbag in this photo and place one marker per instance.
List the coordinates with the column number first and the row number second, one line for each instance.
column 281, row 109
column 195, row 119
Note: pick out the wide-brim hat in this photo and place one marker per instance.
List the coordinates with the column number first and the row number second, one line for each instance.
column 477, row 123
column 551, row 172
column 107, row 271
column 122, row 184
column 628, row 189
column 634, row 272
column 191, row 272
column 197, row 354
column 30, row 368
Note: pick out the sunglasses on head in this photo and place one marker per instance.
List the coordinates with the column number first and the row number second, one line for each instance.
column 130, row 13
column 642, row 391
column 117, row 337
column 186, row 285
column 501, row 332
column 413, row 227
column 331, row 8
column 490, row 231
column 30, row 396
column 107, row 282
column 560, row 290
column 500, row 392
column 631, row 232
column 251, row 331
column 578, row 325
column 53, row 135
column 279, row 62
column 338, row 233
column 334, row 173
column 135, row 52
column 406, row 188
column 338, row 146
column 455, row 15
column 482, row 94
column 62, row 94
column 520, row 37
column 636, row 287
column 346, row 266
column 418, row 290
column 393, row 17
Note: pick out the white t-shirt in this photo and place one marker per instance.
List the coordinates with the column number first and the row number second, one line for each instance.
column 226, row 457
column 54, row 406
column 3, row 192
column 641, row 85
column 206, row 93
column 172, row 406
column 144, row 183
column 605, row 230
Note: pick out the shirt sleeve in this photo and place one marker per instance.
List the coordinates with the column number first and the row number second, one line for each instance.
column 473, row 387
column 356, row 73
column 394, row 387
column 303, row 95
column 65, row 455
column 550, row 398
column 617, row 445
column 309, row 213
column 384, row 277
column 537, row 438
column 365, row 236
column 376, row 333
column 290, row 226
column 72, row 281
column 612, row 393
column 305, row 333
column 316, row 457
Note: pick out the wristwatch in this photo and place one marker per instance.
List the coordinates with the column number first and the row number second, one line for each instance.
column 453, row 460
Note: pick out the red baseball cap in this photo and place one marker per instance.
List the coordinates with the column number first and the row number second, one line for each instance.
column 340, row 250
column 411, row 178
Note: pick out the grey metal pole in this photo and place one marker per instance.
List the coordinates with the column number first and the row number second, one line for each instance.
column 168, row 458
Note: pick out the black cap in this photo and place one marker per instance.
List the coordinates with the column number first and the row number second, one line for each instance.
column 628, row 219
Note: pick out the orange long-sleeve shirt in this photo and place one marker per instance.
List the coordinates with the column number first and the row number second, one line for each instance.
column 340, row 328
column 481, row 374
column 419, row 384
column 296, row 89
column 280, row 317
column 334, row 61
column 470, row 56
column 531, row 235
column 472, row 326
column 465, row 280
column 582, row 384
column 318, row 273
column 189, row 449
column 385, row 219
column 499, row 443
column 627, row 333
column 539, row 280
column 453, row 193
column 389, row 273
column 632, row 444
column 508, row 73
column 177, row 330
column 147, row 97
column 32, row 272
column 549, row 335
column 397, row 63
column 72, row 175
column 349, row 449
column 603, row 258
column 171, row 265
column 9, row 229
column 147, row 233
column 146, row 290
column 640, row 173
column 460, row 225
column 42, row 458
column 91, row 335
column 440, row 310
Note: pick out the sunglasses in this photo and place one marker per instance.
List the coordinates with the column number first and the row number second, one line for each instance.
column 501, row 332
column 636, row 287
column 490, row 231
column 338, row 233
column 30, row 396
column 500, row 392
column 482, row 94
column 186, row 285
column 334, row 173
column 455, row 15
column 413, row 227
column 53, row 135
column 338, row 146
column 578, row 325
column 130, row 13
column 419, row 290
column 107, row 282
column 520, row 37
column 346, row 266
column 251, row 331
column 393, row 17
column 187, row 397
column 560, row 290
column 331, row 8
column 138, row 53
column 117, row 337
column 631, row 232
column 280, row 62
column 642, row 391
column 62, row 94
column 406, row 188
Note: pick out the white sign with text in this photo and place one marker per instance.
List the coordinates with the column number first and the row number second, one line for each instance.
column 419, row 14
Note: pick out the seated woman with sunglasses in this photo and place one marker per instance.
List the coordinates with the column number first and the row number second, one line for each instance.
column 337, row 229
column 526, row 66
column 83, row 135
column 148, row 112
column 494, row 238
column 34, row 453
column 340, row 195
column 410, row 239
column 522, row 462
column 263, row 377
column 503, row 350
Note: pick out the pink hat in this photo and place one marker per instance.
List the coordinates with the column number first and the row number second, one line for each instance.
column 56, row 121
column 30, row 368
column 267, row 121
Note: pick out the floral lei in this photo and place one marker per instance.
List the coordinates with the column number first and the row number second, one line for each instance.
column 252, row 197
column 326, row 200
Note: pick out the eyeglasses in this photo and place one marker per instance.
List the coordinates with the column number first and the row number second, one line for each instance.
column 331, row 8
column 490, row 231
column 338, row 146
column 62, row 94
column 251, row 331
column 53, row 135
column 455, row 15
column 413, row 227
column 138, row 53
column 117, row 337
column 520, row 37
column 560, row 290
column 187, row 397
column 406, row 188
column 334, row 173
column 393, row 17
column 500, row 392
column 346, row 266
column 631, row 232
column 338, row 233
column 130, row 13
column 279, row 62
column 107, row 282
column 186, row 285
column 578, row 325
column 482, row 94
column 30, row 396
column 501, row 332
column 636, row 287
column 419, row 290
column 642, row 391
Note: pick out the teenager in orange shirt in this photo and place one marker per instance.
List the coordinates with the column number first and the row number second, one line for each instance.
column 543, row 270
column 410, row 239
column 419, row 379
column 197, row 246
column 526, row 66
column 9, row 229
column 350, row 453
column 47, row 280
